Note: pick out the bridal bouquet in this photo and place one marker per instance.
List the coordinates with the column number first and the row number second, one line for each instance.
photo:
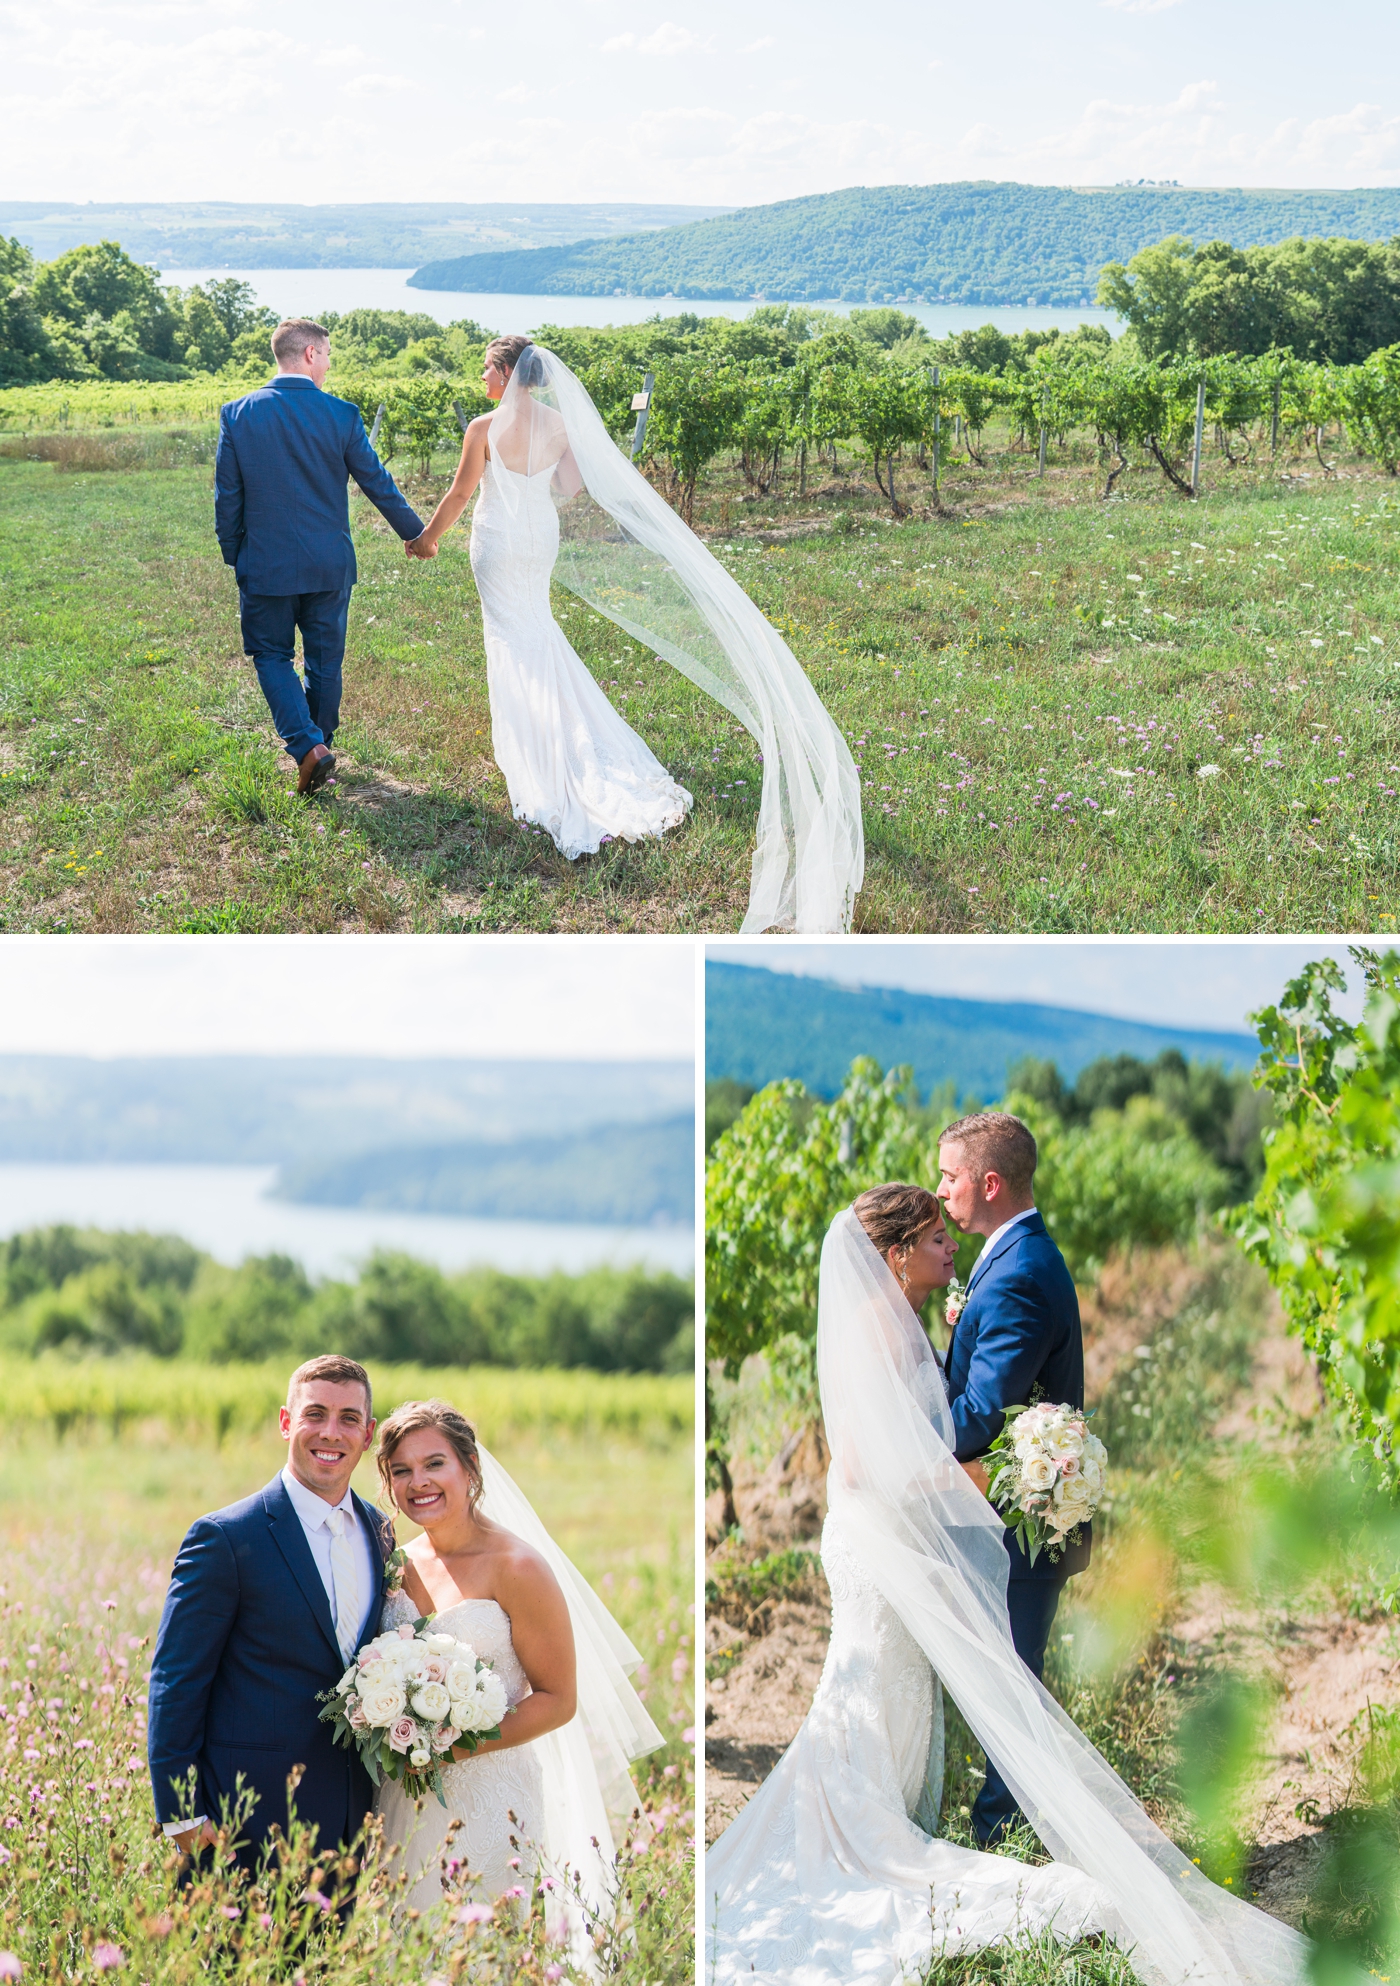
column 408, row 1698
column 1046, row 1475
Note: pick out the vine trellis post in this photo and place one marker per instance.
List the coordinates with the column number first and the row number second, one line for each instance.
column 1196, row 446
column 935, row 377
column 641, row 407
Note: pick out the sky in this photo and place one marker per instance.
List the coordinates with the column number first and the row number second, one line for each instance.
column 738, row 101
column 548, row 999
column 1179, row 982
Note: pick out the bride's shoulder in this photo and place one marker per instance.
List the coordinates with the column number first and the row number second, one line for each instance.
column 519, row 1568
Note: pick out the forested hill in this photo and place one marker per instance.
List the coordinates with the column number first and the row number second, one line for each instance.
column 762, row 1025
column 975, row 242
column 392, row 234
column 630, row 1175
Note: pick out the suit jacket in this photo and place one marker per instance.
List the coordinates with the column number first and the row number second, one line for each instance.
column 1019, row 1329
column 246, row 1643
column 281, row 474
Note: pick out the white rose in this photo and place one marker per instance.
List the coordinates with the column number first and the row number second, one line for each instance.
column 431, row 1702
column 1037, row 1472
column 1066, row 1442
column 462, row 1708
column 1090, row 1473
column 1073, row 1492
column 461, row 1678
column 419, row 1759
column 382, row 1698
column 440, row 1644
column 462, row 1651
column 348, row 1680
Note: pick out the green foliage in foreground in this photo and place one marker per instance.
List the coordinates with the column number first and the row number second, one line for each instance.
column 789, row 1162
column 80, row 1292
column 1325, row 1224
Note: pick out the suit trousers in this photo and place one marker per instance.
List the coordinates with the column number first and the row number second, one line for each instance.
column 304, row 716
column 1031, row 1604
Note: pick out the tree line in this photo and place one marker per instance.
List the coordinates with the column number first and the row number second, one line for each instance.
column 1133, row 1154
column 88, row 1293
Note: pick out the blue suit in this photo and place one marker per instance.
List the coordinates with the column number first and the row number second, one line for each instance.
column 246, row 1643
column 282, row 517
column 1019, row 1330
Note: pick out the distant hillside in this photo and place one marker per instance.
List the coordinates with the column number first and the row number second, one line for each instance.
column 230, row 234
column 626, row 1175
column 976, row 242
column 262, row 1110
column 762, row 1025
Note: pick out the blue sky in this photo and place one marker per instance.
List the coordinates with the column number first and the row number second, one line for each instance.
column 545, row 999
column 727, row 102
column 1183, row 982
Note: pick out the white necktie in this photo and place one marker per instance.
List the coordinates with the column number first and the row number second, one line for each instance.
column 345, row 1580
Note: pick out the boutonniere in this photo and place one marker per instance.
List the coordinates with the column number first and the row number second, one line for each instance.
column 393, row 1572
column 954, row 1297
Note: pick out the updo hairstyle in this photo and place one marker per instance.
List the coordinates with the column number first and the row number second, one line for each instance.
column 894, row 1216
column 455, row 1429
column 504, row 353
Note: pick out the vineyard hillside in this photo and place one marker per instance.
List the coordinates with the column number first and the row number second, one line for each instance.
column 973, row 242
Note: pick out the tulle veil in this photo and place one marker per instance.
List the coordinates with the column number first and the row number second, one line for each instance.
column 933, row 1546
column 589, row 1796
column 629, row 556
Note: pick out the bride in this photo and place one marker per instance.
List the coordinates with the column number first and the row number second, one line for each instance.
column 546, row 1795
column 559, row 501
column 833, row 1872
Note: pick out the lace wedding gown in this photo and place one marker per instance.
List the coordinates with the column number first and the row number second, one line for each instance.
column 481, row 1792
column 826, row 1877
column 571, row 765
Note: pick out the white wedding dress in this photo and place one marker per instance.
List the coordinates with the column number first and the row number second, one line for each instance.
column 832, row 1873
column 567, row 1797
column 827, row 1875
column 483, row 1793
column 571, row 765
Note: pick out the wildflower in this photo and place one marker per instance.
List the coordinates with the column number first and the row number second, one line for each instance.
column 553, row 1972
column 107, row 1957
column 1207, row 771
column 162, row 1926
column 10, row 1967
column 230, row 1910
column 473, row 1913
column 319, row 1898
column 265, row 1918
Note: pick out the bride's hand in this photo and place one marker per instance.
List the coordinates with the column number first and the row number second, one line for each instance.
column 421, row 548
column 976, row 1474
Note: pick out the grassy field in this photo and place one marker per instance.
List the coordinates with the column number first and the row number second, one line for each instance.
column 1071, row 715
column 90, row 1525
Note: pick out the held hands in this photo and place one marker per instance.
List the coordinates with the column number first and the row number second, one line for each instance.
column 976, row 1474
column 421, row 548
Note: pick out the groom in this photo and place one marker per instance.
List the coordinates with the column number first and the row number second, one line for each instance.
column 267, row 1604
column 285, row 456
column 1018, row 1330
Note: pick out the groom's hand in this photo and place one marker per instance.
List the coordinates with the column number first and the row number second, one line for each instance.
column 420, row 548
column 976, row 1474
column 199, row 1837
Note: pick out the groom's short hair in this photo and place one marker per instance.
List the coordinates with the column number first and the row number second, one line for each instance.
column 336, row 1370
column 995, row 1141
column 294, row 334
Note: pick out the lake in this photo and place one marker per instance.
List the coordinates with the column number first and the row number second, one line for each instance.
column 304, row 292
column 224, row 1209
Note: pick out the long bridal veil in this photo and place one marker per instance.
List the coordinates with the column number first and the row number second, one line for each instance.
column 933, row 1547
column 629, row 556
column 588, row 1791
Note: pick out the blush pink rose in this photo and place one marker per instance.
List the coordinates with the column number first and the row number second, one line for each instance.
column 369, row 1655
column 355, row 1716
column 435, row 1670
column 403, row 1734
column 405, row 1632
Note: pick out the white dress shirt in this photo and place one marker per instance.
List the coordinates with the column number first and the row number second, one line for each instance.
column 1024, row 1215
column 313, row 1511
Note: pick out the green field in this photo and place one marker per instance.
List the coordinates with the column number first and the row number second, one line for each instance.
column 1071, row 715
column 90, row 1524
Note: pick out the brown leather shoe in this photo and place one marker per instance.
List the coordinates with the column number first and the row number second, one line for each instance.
column 315, row 769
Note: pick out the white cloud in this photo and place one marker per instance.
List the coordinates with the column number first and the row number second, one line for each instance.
column 668, row 39
column 1140, row 6
column 375, row 85
column 764, row 41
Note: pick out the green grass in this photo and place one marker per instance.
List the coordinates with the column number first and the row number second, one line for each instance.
column 1032, row 722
